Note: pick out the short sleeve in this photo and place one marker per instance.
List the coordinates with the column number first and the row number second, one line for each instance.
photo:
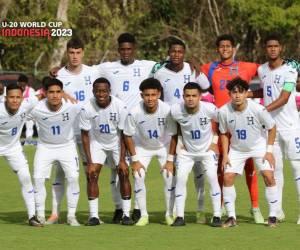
column 84, row 121
column 291, row 76
column 99, row 68
column 123, row 114
column 265, row 119
column 222, row 122
column 203, row 81
column 171, row 125
column 129, row 125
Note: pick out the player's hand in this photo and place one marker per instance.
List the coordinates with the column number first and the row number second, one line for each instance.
column 214, row 148
column 225, row 162
column 270, row 158
column 53, row 71
column 194, row 67
column 123, row 167
column 169, row 166
column 69, row 98
column 136, row 167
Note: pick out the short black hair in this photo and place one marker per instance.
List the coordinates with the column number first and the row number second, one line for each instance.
column 13, row 86
column 101, row 80
column 176, row 41
column 75, row 43
column 272, row 36
column 239, row 83
column 53, row 82
column 23, row 78
column 45, row 80
column 225, row 37
column 126, row 38
column 150, row 83
column 193, row 85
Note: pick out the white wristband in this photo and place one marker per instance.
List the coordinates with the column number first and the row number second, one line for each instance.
column 134, row 158
column 170, row 158
column 269, row 148
column 215, row 139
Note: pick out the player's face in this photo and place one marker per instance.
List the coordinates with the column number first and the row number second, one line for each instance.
column 75, row 56
column 225, row 50
column 191, row 98
column 150, row 97
column 14, row 99
column 23, row 85
column 238, row 96
column 54, row 95
column 273, row 49
column 126, row 51
column 102, row 93
column 176, row 54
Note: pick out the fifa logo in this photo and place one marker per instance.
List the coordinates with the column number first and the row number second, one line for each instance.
column 65, row 117
column 113, row 116
column 136, row 72
column 161, row 121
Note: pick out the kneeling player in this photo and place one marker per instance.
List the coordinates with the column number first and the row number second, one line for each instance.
column 101, row 122
column 13, row 112
column 147, row 131
column 247, row 122
column 195, row 119
column 55, row 119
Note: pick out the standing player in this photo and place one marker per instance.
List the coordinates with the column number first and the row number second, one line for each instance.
column 101, row 122
column 278, row 81
column 173, row 76
column 195, row 119
column 219, row 73
column 148, row 129
column 247, row 122
column 13, row 112
column 28, row 92
column 56, row 119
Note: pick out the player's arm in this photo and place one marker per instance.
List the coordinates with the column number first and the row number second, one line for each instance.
column 214, row 144
column 298, row 84
column 53, row 71
column 280, row 101
column 169, row 166
column 86, row 145
column 225, row 146
column 122, row 163
column 270, row 142
column 69, row 98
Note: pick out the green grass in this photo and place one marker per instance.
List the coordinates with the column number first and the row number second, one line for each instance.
column 15, row 234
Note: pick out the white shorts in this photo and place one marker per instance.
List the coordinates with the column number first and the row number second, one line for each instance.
column 288, row 143
column 238, row 159
column 45, row 156
column 16, row 158
column 145, row 155
column 101, row 156
column 186, row 162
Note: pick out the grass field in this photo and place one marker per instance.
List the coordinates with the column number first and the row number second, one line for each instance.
column 15, row 234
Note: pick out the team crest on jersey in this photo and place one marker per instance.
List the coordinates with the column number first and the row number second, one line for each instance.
column 87, row 80
column 186, row 78
column 136, row 72
column 250, row 120
column 233, row 70
column 65, row 117
column 203, row 121
column 277, row 79
column 161, row 121
column 113, row 116
column 23, row 115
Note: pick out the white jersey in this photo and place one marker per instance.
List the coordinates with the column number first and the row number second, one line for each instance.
column 125, row 80
column 56, row 128
column 150, row 131
column 272, row 82
column 104, row 124
column 11, row 125
column 2, row 98
column 79, row 86
column 173, row 82
column 247, row 128
column 196, row 128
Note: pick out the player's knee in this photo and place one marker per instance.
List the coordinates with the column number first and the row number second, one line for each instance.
column 229, row 179
column 92, row 177
column 24, row 176
column 268, row 177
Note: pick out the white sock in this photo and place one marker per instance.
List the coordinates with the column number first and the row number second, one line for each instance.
column 140, row 191
column 169, row 190
column 215, row 192
column 296, row 170
column 199, row 182
column 272, row 199
column 73, row 191
column 180, row 193
column 27, row 190
column 40, row 196
column 58, row 189
column 278, row 175
column 126, row 205
column 136, row 205
column 115, row 189
column 93, row 207
column 229, row 196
